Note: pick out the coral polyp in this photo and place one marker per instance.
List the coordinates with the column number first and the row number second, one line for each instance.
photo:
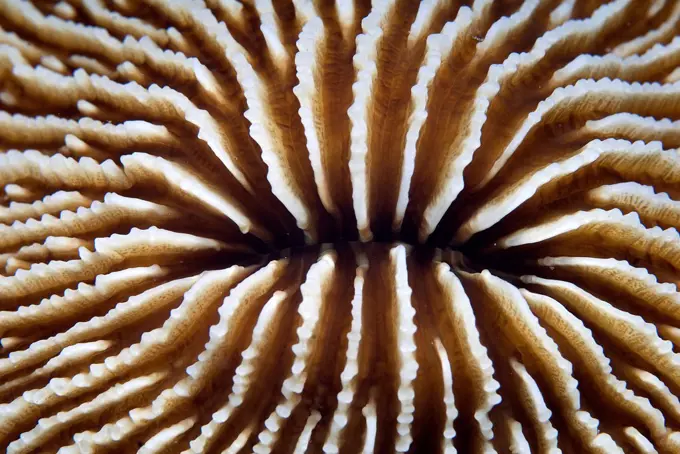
column 339, row 226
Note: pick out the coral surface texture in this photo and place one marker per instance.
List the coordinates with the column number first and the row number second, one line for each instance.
column 340, row 226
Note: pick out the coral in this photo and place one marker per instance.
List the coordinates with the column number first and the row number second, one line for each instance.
column 315, row 226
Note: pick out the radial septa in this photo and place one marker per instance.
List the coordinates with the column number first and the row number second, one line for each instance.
column 535, row 406
column 312, row 291
column 639, row 336
column 596, row 363
column 162, row 162
column 620, row 156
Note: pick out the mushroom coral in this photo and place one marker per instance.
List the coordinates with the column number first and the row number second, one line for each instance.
column 314, row 226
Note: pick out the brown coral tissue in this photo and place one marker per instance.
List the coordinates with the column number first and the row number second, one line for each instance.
column 340, row 226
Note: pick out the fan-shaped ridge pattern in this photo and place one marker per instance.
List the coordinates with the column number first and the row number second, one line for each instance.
column 268, row 226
